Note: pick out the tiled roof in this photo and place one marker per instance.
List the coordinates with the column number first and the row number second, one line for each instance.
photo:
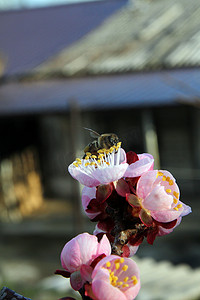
column 145, row 35
column 29, row 37
column 101, row 92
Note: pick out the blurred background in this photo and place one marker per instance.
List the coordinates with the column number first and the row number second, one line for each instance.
column 123, row 66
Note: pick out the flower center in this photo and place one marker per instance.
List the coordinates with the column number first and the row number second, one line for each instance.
column 105, row 158
column 118, row 275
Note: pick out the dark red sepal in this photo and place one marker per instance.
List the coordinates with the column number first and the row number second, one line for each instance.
column 126, row 251
column 103, row 192
column 131, row 157
column 62, row 273
column 167, row 225
column 136, row 240
column 132, row 200
column 88, row 292
column 96, row 260
column 151, row 235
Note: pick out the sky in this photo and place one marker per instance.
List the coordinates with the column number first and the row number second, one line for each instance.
column 16, row 4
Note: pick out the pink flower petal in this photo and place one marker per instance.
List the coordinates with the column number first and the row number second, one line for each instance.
column 142, row 165
column 104, row 246
column 145, row 183
column 80, row 250
column 158, row 199
column 82, row 177
column 102, row 288
column 165, row 215
column 110, row 174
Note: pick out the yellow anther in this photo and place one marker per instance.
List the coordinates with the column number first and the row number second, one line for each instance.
column 168, row 178
column 125, row 285
column 100, row 155
column 117, row 260
column 94, row 156
column 117, row 266
column 111, row 149
column 87, row 164
column 135, row 281
column 100, row 151
column 114, row 283
column 111, row 274
column 175, row 201
column 92, row 163
column 164, row 178
column 159, row 173
column 119, row 283
column 176, row 194
column 88, row 153
column 168, row 190
column 107, row 163
column 78, row 160
column 75, row 164
column 108, row 264
column 126, row 279
column 133, row 277
column 125, row 267
column 119, row 144
column 171, row 182
column 179, row 205
column 115, row 278
column 87, row 157
column 121, row 260
column 99, row 161
column 176, row 208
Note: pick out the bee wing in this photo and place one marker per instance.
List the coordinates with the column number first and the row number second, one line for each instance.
column 93, row 133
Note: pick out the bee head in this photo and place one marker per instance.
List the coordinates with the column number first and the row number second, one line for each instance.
column 113, row 139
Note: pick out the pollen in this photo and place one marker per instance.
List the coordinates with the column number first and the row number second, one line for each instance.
column 164, row 178
column 117, row 266
column 168, row 190
column 176, row 194
column 108, row 264
column 176, row 208
column 88, row 153
column 125, row 268
column 75, row 164
column 175, row 201
column 134, row 279
column 179, row 205
column 159, row 173
column 126, row 279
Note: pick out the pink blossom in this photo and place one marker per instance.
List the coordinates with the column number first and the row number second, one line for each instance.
column 79, row 253
column 110, row 165
column 158, row 195
column 116, row 277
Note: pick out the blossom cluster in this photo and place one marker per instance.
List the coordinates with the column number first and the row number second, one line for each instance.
column 129, row 201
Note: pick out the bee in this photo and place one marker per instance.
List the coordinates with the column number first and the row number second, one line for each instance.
column 102, row 141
